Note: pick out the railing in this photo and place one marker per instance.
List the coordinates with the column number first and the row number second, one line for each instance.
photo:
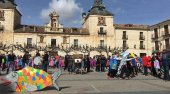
column 142, row 37
column 142, row 46
column 30, row 46
column 53, row 45
column 125, row 37
column 102, row 46
column 165, row 33
column 102, row 33
column 125, row 46
column 157, row 47
column 153, row 36
column 75, row 46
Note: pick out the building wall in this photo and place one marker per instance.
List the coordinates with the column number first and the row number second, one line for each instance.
column 7, row 34
column 161, row 34
column 9, row 20
column 17, row 18
column 91, row 24
column 133, row 40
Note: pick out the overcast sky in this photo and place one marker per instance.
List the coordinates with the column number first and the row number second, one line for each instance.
column 36, row 12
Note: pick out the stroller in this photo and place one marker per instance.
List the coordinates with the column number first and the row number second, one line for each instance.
column 77, row 66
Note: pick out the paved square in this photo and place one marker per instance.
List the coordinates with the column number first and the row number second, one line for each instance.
column 97, row 83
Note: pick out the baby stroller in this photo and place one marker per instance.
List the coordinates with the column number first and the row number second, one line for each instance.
column 78, row 66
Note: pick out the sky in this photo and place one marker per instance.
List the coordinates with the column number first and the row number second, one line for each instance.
column 147, row 12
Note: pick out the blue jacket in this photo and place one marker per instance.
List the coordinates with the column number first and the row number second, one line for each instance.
column 113, row 63
column 133, row 62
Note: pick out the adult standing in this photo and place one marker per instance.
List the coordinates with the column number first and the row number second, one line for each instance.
column 11, row 58
column 166, row 61
column 66, row 61
column 98, row 64
column 145, row 64
column 45, row 61
column 25, row 59
column 103, row 63
column 57, row 57
column 88, row 63
column 134, row 66
column 112, row 66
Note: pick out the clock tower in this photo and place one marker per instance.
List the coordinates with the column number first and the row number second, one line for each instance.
column 99, row 22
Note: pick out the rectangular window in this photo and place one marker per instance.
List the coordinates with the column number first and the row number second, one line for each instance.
column 166, row 29
column 124, row 43
column 75, row 42
column 102, row 43
column 167, row 43
column 141, row 33
column 101, row 30
column 29, row 42
column 156, row 45
column 141, row 43
column 141, row 36
column 142, row 46
column 156, row 32
column 64, row 40
column 53, row 42
column 124, row 33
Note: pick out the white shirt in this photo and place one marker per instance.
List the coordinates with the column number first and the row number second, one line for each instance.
column 156, row 64
column 37, row 60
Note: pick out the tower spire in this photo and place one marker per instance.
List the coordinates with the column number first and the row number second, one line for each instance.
column 98, row 3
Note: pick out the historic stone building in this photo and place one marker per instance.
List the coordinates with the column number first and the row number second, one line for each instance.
column 161, row 36
column 99, row 34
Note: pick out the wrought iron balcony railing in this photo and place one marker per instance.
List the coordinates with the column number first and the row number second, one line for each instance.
column 102, row 33
column 102, row 46
column 142, row 37
column 125, row 37
column 125, row 46
column 142, row 46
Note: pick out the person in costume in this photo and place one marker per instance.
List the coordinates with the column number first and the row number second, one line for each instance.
column 112, row 66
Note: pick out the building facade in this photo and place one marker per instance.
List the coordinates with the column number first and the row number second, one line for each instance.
column 98, row 35
column 161, row 36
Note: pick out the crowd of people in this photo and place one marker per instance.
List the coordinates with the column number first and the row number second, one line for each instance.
column 155, row 65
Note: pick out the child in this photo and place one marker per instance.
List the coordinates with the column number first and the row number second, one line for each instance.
column 51, row 62
column 156, row 66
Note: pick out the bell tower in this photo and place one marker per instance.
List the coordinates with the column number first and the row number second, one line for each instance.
column 54, row 17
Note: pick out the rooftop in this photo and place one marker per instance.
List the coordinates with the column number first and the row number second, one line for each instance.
column 131, row 26
column 161, row 23
column 98, row 8
column 7, row 4
column 41, row 30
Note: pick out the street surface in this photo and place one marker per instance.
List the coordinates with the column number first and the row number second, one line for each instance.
column 97, row 83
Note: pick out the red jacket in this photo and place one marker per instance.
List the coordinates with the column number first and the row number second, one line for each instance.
column 149, row 62
column 145, row 61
